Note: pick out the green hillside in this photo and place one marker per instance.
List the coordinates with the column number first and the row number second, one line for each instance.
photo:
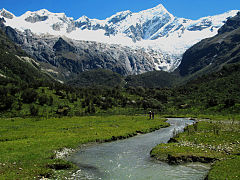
column 98, row 77
column 16, row 66
column 217, row 92
column 18, row 72
column 154, row 79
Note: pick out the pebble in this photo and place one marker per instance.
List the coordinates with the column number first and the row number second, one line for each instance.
column 226, row 148
column 63, row 153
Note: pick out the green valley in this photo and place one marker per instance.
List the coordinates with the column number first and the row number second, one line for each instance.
column 29, row 146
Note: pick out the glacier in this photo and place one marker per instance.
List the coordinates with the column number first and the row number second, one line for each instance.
column 156, row 31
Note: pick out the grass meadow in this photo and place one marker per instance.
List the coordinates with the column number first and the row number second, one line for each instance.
column 28, row 146
column 215, row 141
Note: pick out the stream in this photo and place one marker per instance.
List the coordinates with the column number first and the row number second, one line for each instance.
column 130, row 159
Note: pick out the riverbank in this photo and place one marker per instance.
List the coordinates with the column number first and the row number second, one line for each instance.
column 129, row 158
column 215, row 141
column 29, row 147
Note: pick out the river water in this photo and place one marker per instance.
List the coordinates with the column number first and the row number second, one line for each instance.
column 130, row 159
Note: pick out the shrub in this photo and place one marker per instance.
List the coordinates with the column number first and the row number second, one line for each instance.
column 50, row 102
column 29, row 96
column 6, row 102
column 229, row 102
column 43, row 99
column 63, row 110
column 33, row 110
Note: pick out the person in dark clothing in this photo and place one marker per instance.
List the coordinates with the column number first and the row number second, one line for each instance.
column 152, row 115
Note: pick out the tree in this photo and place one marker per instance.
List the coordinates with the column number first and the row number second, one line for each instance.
column 50, row 102
column 43, row 99
column 19, row 105
column 140, row 90
column 90, row 109
column 63, row 110
column 6, row 102
column 33, row 110
column 229, row 102
column 212, row 101
column 161, row 97
column 29, row 96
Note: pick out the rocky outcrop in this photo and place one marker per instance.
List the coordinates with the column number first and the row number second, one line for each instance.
column 36, row 18
column 63, row 46
column 13, row 35
column 230, row 25
column 6, row 14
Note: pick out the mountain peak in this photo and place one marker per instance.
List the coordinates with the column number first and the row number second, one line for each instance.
column 83, row 19
column 119, row 16
column 6, row 14
column 43, row 12
column 158, row 8
column 43, row 15
column 151, row 29
column 127, row 12
column 3, row 10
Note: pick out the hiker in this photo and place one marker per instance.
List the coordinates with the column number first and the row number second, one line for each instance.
column 150, row 114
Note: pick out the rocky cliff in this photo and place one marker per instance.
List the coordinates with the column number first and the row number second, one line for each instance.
column 64, row 57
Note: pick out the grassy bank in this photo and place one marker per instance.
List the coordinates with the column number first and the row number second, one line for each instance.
column 215, row 141
column 28, row 146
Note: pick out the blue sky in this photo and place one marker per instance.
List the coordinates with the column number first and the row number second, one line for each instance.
column 100, row 9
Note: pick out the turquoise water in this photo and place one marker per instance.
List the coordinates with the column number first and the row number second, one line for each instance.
column 130, row 159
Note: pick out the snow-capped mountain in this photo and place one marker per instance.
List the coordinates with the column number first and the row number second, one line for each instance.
column 158, row 32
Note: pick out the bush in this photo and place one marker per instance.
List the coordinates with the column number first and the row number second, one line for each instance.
column 212, row 102
column 50, row 102
column 29, row 96
column 229, row 102
column 90, row 109
column 43, row 99
column 6, row 102
column 33, row 110
column 63, row 110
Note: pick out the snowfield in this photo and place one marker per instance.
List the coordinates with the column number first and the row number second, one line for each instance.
column 155, row 30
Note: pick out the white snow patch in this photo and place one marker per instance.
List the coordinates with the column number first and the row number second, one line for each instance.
column 28, row 60
column 50, row 71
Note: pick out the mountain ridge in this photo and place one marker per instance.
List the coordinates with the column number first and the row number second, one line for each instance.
column 153, row 29
column 16, row 66
column 212, row 53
